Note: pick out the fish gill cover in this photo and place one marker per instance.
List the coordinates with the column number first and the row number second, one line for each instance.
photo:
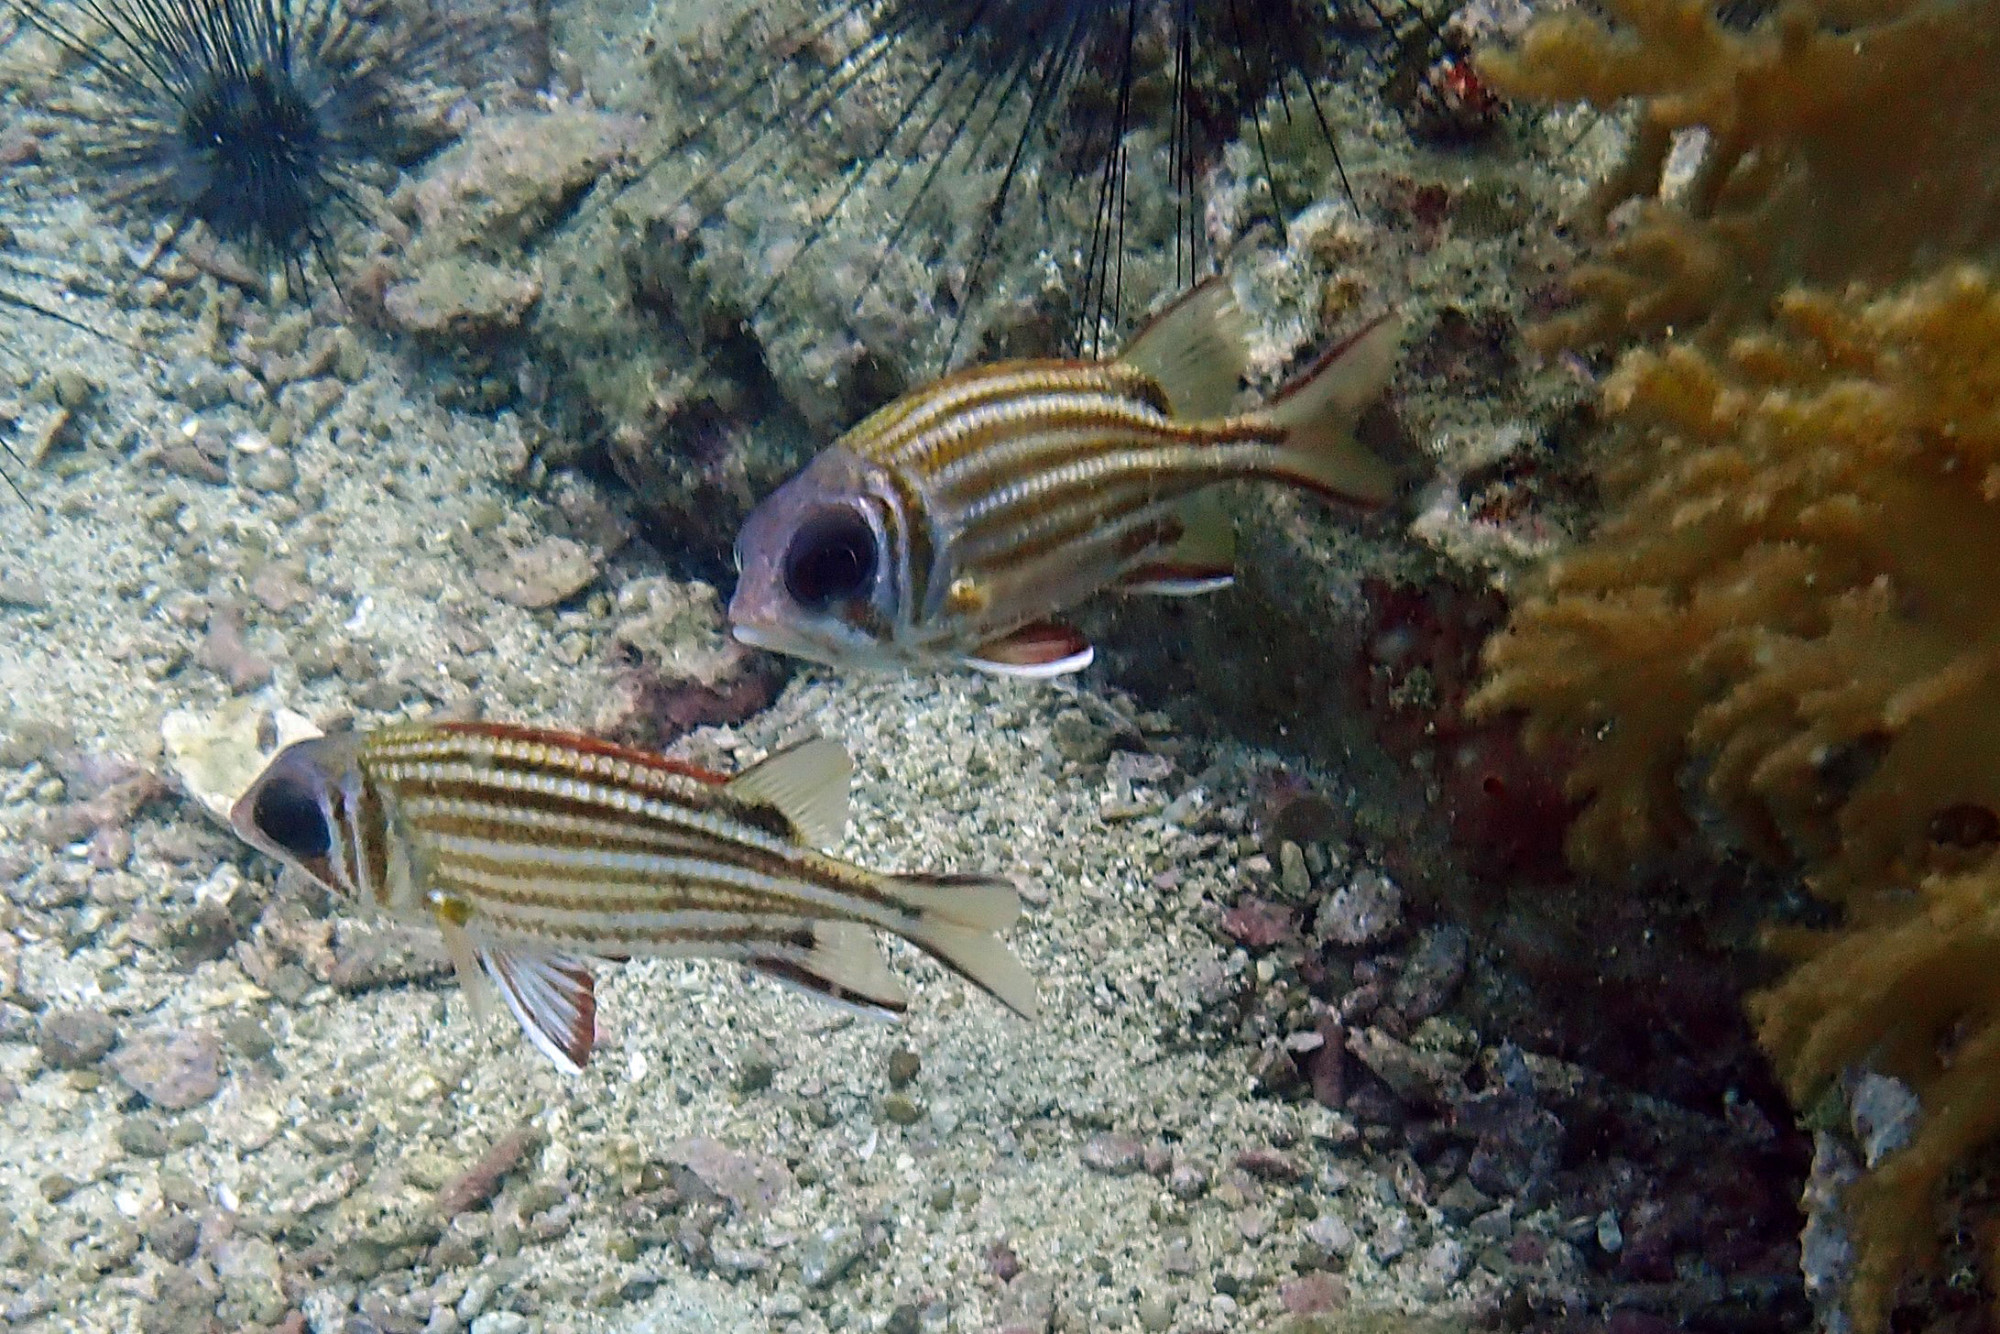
column 1782, row 633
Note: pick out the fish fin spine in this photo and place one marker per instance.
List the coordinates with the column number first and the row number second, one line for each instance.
column 1194, row 350
column 807, row 784
column 1162, row 579
column 1318, row 410
column 465, row 961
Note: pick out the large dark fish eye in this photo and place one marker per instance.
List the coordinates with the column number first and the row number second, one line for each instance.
column 287, row 811
column 832, row 556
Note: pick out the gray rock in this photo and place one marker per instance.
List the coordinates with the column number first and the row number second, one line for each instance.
column 73, row 1039
column 1414, row 1076
column 1432, row 974
column 174, row 1237
column 1113, row 1155
column 171, row 1070
column 750, row 1181
column 1365, row 909
column 828, row 1254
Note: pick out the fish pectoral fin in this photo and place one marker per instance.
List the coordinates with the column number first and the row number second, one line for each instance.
column 465, row 961
column 805, row 783
column 1043, row 649
column 552, row 995
column 1203, row 560
column 842, row 966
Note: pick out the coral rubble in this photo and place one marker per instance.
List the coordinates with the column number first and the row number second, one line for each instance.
column 1844, row 140
column 1784, row 619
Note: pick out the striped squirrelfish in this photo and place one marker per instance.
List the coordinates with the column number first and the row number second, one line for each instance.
column 954, row 524
column 538, row 853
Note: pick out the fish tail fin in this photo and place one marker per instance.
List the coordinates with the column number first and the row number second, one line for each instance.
column 1194, row 350
column 1319, row 408
column 958, row 918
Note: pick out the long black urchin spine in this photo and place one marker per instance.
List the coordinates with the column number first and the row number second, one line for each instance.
column 253, row 118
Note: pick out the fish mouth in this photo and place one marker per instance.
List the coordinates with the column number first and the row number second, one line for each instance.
column 757, row 637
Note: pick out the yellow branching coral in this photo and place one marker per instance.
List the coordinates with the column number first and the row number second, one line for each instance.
column 1789, row 617
column 1847, row 139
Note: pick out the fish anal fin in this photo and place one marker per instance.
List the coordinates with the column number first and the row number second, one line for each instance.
column 1318, row 410
column 1194, row 350
column 805, row 783
column 552, row 995
column 1202, row 560
column 1176, row 581
column 1043, row 649
column 843, row 966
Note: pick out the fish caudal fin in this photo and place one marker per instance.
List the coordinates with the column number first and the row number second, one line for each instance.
column 1037, row 651
column 959, row 916
column 805, row 783
column 1194, row 350
column 843, row 966
column 1319, row 408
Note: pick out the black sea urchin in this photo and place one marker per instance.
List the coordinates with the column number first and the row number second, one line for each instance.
column 253, row 118
column 1012, row 100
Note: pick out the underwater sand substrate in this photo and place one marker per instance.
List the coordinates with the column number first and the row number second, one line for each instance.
column 367, row 1100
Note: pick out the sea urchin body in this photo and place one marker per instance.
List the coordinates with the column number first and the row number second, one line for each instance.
column 254, row 118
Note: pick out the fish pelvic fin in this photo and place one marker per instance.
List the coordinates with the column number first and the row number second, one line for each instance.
column 845, row 967
column 1318, row 409
column 553, row 996
column 805, row 783
column 958, row 918
column 1037, row 651
column 1194, row 350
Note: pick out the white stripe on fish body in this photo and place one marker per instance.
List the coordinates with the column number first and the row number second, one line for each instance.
column 947, row 411
column 671, row 853
column 582, row 882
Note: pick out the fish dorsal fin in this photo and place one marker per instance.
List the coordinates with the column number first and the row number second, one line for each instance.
column 807, row 784
column 1042, row 649
column 843, row 966
column 553, row 995
column 1194, row 350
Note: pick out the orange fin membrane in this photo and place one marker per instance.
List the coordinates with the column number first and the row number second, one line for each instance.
column 1034, row 652
column 554, row 997
column 842, row 967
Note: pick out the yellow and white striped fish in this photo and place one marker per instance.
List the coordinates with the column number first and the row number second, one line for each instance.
column 953, row 524
column 538, row 852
